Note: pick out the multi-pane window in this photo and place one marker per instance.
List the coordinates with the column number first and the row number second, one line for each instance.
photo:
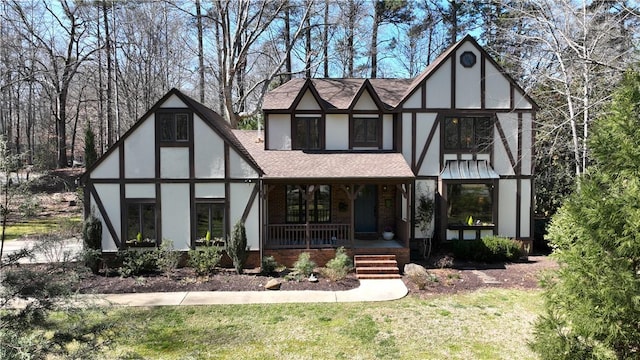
column 470, row 204
column 141, row 221
column 210, row 218
column 174, row 126
column 319, row 207
column 307, row 133
column 473, row 134
column 365, row 131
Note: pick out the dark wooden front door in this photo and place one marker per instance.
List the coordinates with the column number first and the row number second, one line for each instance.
column 365, row 210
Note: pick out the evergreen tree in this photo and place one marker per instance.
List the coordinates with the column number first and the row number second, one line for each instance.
column 90, row 154
column 593, row 300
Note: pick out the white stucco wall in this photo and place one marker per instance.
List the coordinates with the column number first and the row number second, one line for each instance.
column 308, row 102
column 279, row 132
column 174, row 162
column 525, row 208
column 109, row 168
column 240, row 194
column 501, row 162
column 468, row 80
column 415, row 100
column 210, row 190
column 497, row 88
column 527, row 144
column 407, row 133
column 109, row 194
column 239, row 168
column 439, row 87
column 520, row 102
column 176, row 224
column 139, row 151
column 365, row 102
column 173, row 102
column 140, row 191
column 337, row 131
column 387, row 132
column 208, row 150
column 507, row 208
column 424, row 124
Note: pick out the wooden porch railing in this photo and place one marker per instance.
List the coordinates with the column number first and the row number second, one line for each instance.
column 293, row 236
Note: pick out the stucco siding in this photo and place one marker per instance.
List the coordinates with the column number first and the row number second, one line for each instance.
column 176, row 224
column 527, row 144
column 109, row 168
column 439, row 87
column 387, row 132
column 468, row 80
column 279, row 132
column 365, row 102
column 507, row 208
column 308, row 102
column 240, row 169
column 174, row 163
column 407, row 133
column 139, row 151
column 173, row 102
column 109, row 194
column 525, row 208
column 240, row 195
column 337, row 131
column 140, row 191
column 208, row 151
column 210, row 191
column 498, row 88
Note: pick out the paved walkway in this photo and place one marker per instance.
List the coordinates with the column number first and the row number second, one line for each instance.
column 369, row 290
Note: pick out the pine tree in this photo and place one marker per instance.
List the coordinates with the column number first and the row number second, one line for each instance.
column 90, row 154
column 592, row 300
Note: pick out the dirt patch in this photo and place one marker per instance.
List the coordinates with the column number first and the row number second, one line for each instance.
column 469, row 276
column 185, row 279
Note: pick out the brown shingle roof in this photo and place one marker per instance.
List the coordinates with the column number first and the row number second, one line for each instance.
column 296, row 164
column 336, row 94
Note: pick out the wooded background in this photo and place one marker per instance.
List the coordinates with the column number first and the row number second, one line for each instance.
column 68, row 66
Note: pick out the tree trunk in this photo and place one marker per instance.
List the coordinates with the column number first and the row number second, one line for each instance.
column 200, row 50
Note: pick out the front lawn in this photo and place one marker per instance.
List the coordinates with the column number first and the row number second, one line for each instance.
column 485, row 324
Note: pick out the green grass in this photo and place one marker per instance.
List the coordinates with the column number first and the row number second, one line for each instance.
column 41, row 226
column 487, row 324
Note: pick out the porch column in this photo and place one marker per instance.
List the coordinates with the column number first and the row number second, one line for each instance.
column 405, row 190
column 308, row 197
column 352, row 193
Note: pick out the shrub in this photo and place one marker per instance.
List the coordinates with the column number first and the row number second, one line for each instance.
column 205, row 260
column 302, row 268
column 167, row 258
column 237, row 247
column 338, row 267
column 269, row 264
column 137, row 262
column 92, row 232
column 488, row 249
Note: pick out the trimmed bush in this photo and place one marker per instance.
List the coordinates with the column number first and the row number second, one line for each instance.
column 338, row 267
column 237, row 248
column 488, row 249
column 268, row 265
column 302, row 268
column 205, row 260
column 136, row 263
column 167, row 257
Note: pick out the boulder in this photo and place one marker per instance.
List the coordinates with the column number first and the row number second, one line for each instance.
column 273, row 284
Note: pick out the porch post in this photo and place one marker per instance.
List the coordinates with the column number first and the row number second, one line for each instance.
column 409, row 225
column 307, row 226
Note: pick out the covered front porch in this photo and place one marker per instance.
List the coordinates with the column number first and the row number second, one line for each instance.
column 330, row 214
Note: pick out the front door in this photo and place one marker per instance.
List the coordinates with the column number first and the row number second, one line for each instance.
column 365, row 210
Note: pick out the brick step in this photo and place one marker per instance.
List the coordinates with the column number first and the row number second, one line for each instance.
column 374, row 257
column 378, row 276
column 377, row 270
column 376, row 267
column 377, row 263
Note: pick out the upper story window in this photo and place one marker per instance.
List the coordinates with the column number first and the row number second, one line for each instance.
column 473, row 134
column 365, row 131
column 174, row 126
column 307, row 132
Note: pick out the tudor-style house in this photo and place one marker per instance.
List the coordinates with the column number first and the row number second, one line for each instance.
column 341, row 162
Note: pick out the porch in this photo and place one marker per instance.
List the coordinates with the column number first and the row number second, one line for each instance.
column 316, row 236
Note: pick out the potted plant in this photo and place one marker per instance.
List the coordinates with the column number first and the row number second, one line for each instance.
column 388, row 234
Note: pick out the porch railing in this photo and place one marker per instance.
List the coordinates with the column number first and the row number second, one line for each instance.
column 294, row 236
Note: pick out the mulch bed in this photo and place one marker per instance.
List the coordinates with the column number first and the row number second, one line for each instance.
column 459, row 277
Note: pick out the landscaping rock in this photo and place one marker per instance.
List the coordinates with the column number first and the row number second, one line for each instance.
column 415, row 269
column 313, row 279
column 273, row 284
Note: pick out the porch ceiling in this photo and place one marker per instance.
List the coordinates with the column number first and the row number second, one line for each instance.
column 295, row 164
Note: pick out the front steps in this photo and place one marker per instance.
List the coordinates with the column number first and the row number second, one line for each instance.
column 376, row 267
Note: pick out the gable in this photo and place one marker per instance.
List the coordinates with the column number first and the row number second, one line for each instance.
column 365, row 102
column 308, row 102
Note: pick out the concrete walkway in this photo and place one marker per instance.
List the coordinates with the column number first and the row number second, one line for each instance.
column 369, row 290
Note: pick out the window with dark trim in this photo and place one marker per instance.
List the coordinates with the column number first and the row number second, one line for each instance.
column 141, row 222
column 307, row 133
column 470, row 204
column 365, row 131
column 320, row 207
column 473, row 134
column 210, row 217
column 173, row 126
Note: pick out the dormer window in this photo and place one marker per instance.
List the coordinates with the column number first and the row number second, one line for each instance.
column 173, row 126
column 307, row 133
column 365, row 131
